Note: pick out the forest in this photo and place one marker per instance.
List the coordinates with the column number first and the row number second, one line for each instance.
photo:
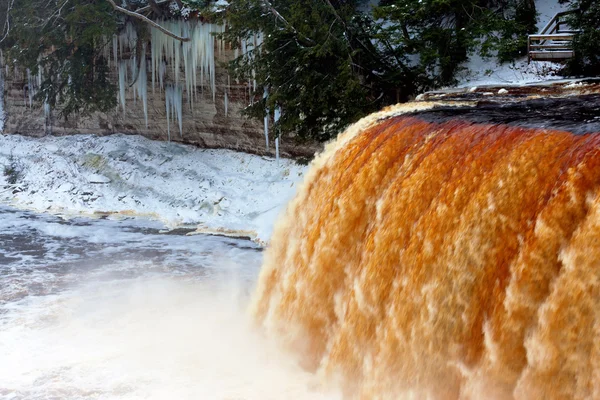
column 322, row 64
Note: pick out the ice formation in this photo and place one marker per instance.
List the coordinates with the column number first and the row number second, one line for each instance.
column 266, row 94
column 175, row 66
column 276, row 117
column 174, row 105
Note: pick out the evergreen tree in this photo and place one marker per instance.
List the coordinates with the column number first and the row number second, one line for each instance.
column 327, row 63
column 64, row 40
column 322, row 62
column 439, row 35
column 586, row 20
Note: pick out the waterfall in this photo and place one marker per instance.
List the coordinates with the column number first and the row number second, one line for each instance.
column 442, row 259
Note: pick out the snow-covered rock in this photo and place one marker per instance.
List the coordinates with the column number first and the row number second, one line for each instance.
column 219, row 191
column 97, row 178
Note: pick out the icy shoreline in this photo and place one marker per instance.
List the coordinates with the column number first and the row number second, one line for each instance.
column 213, row 191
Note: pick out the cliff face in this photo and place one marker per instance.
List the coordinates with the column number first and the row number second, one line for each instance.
column 207, row 123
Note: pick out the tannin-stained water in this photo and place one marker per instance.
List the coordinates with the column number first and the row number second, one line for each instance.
column 443, row 260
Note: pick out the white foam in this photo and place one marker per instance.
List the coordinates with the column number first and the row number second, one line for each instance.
column 144, row 339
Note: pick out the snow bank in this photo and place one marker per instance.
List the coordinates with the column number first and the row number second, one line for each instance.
column 215, row 191
column 483, row 72
column 487, row 71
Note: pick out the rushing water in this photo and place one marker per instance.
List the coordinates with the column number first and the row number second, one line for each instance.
column 117, row 309
column 444, row 258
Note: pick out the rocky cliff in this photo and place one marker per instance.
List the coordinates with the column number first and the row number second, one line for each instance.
column 207, row 123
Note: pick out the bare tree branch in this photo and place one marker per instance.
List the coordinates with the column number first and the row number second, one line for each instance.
column 148, row 21
column 6, row 28
column 155, row 8
column 146, row 8
column 280, row 17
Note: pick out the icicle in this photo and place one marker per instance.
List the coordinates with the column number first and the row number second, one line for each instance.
column 163, row 71
column 267, row 129
column 142, row 83
column 153, row 57
column 196, row 57
column 115, row 52
column 31, row 89
column 168, row 105
column 226, row 104
column 266, row 121
column 255, row 49
column 122, row 83
column 174, row 104
column 47, row 121
column 178, row 106
column 276, row 116
column 133, row 68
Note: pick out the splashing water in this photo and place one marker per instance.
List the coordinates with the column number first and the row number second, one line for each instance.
column 103, row 309
column 443, row 260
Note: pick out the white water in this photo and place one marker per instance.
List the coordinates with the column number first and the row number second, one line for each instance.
column 115, row 310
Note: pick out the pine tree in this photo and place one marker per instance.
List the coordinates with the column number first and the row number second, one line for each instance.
column 586, row 20
column 64, row 42
column 439, row 35
column 324, row 63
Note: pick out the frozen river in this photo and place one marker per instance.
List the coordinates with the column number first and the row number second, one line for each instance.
column 100, row 308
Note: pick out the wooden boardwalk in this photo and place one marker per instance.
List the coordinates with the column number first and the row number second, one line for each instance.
column 554, row 42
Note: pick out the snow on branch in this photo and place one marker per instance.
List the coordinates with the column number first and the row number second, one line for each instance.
column 148, row 21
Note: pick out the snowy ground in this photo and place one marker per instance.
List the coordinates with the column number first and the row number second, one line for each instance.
column 481, row 72
column 217, row 191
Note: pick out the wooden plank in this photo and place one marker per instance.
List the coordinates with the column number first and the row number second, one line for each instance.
column 555, row 36
column 551, row 55
column 551, row 46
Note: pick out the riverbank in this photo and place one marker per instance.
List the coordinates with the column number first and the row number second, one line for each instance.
column 210, row 191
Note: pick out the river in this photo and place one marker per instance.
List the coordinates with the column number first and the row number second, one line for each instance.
column 101, row 308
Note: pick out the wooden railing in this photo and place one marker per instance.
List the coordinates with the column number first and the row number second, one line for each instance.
column 554, row 42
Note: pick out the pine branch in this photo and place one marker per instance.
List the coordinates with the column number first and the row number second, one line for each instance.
column 280, row 17
column 148, row 21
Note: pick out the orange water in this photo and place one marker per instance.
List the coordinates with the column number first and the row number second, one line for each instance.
column 447, row 260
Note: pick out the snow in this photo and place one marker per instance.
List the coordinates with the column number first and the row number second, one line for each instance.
column 215, row 191
column 481, row 71
column 547, row 9
column 484, row 72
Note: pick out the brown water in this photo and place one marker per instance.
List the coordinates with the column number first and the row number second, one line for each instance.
column 444, row 259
